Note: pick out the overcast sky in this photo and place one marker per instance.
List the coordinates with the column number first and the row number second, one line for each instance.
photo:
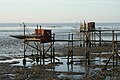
column 50, row 11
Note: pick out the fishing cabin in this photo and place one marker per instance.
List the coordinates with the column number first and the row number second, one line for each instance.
column 44, row 35
column 90, row 26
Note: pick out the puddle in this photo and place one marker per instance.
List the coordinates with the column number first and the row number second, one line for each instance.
column 67, row 68
column 18, row 62
column 70, row 76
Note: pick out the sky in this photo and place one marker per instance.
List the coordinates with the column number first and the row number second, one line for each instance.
column 59, row 11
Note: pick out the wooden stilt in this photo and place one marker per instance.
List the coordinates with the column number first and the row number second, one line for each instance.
column 72, row 51
column 53, row 49
column 37, row 57
column 40, row 54
column 43, row 55
column 51, row 58
column 40, row 46
column 88, row 47
column 100, row 38
column 68, row 48
column 113, row 48
column 24, row 60
column 116, row 51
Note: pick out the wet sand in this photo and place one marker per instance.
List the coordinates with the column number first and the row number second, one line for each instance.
column 46, row 72
column 38, row 72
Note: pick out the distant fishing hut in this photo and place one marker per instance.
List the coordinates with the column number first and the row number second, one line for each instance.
column 92, row 44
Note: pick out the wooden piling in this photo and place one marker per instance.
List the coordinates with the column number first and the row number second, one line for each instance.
column 53, row 49
column 24, row 60
column 37, row 58
column 43, row 55
column 72, row 51
column 116, row 52
column 51, row 58
column 40, row 46
column 100, row 38
column 87, row 50
column 113, row 48
column 68, row 48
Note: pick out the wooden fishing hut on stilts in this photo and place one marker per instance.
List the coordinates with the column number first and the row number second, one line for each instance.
column 39, row 39
column 90, row 42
